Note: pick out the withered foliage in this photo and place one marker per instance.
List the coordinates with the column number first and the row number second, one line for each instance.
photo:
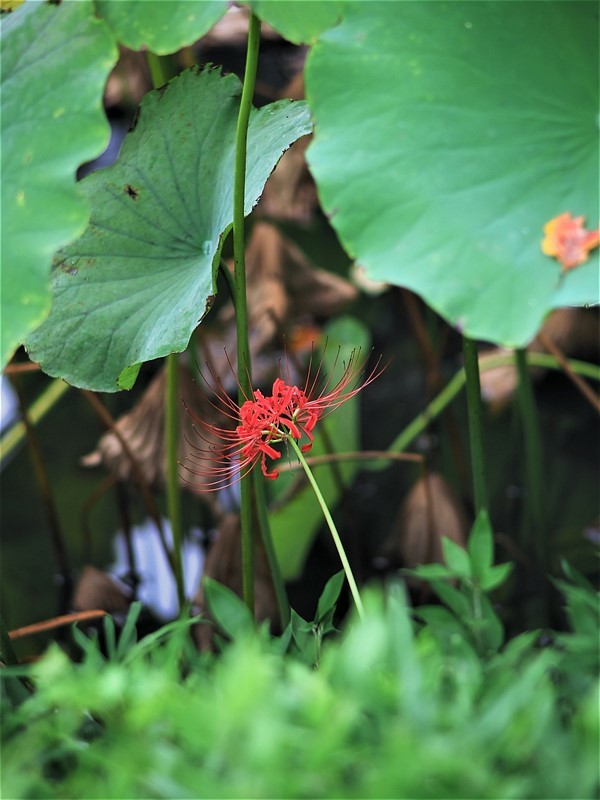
column 97, row 589
column 143, row 430
column 429, row 512
column 285, row 291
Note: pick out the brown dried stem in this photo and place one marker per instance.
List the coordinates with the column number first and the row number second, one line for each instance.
column 56, row 622
column 583, row 387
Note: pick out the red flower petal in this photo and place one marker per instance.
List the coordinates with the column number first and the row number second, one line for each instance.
column 267, row 420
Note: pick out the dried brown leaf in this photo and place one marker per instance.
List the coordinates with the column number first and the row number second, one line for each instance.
column 429, row 512
column 129, row 81
column 143, row 430
column 285, row 288
column 96, row 589
column 290, row 192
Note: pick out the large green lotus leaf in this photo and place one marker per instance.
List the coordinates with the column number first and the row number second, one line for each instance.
column 446, row 136
column 299, row 21
column 295, row 524
column 55, row 61
column 162, row 26
column 134, row 286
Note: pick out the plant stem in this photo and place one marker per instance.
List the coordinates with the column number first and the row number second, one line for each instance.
column 265, row 530
column 136, row 469
column 475, row 426
column 172, row 476
column 241, row 306
column 533, row 455
column 332, row 528
column 426, row 417
column 40, row 470
column 38, row 409
column 158, row 69
column 455, row 385
column 581, row 385
column 47, row 399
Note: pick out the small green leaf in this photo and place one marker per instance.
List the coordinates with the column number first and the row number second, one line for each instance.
column 280, row 644
column 139, row 280
column 492, row 631
column 329, row 596
column 298, row 21
column 128, row 376
column 444, row 625
column 230, row 613
column 128, row 635
column 303, row 633
column 456, row 557
column 480, row 546
column 162, row 26
column 575, row 576
column 495, row 576
column 455, row 600
column 55, row 61
column 110, row 637
column 430, row 572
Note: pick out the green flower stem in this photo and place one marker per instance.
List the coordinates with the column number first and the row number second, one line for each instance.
column 474, row 407
column 241, row 306
column 160, row 70
column 261, row 507
column 533, row 455
column 283, row 604
column 172, row 406
column 332, row 528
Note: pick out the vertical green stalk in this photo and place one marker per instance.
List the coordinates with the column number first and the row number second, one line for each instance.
column 161, row 71
column 474, row 408
column 333, row 530
column 172, row 477
column 533, row 455
column 265, row 530
column 241, row 306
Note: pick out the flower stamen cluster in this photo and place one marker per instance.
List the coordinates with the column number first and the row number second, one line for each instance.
column 264, row 421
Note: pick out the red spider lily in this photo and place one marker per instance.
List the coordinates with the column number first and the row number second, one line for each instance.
column 263, row 421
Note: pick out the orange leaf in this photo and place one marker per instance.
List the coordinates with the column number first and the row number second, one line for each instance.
column 568, row 241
